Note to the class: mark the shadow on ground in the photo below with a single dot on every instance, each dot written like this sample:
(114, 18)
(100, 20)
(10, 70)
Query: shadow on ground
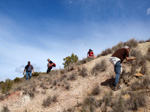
(109, 82)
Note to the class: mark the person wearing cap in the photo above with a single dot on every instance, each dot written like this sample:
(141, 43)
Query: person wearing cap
(50, 65)
(116, 59)
(29, 70)
(90, 53)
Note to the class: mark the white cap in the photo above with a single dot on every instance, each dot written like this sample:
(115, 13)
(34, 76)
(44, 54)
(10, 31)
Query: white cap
(127, 47)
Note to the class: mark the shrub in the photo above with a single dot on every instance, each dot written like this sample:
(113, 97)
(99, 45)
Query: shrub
(35, 74)
(144, 68)
(148, 54)
(136, 85)
(90, 100)
(96, 90)
(7, 85)
(55, 83)
(148, 40)
(71, 109)
(118, 46)
(5, 109)
(140, 59)
(67, 87)
(17, 79)
(70, 60)
(49, 100)
(63, 77)
(99, 67)
(83, 72)
(131, 43)
(136, 101)
(2, 97)
(142, 41)
(119, 105)
(105, 52)
(141, 84)
(72, 77)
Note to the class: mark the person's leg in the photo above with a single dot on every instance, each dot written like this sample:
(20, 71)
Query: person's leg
(27, 74)
(30, 74)
(49, 69)
(117, 71)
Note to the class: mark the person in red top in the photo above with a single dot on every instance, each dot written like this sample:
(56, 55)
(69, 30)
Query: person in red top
(90, 53)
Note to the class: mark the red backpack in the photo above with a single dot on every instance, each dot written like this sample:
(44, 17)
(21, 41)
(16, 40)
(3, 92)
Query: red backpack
(54, 65)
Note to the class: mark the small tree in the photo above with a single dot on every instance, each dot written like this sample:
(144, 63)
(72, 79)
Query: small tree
(70, 60)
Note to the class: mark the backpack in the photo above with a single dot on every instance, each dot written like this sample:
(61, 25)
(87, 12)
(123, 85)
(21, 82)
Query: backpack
(54, 65)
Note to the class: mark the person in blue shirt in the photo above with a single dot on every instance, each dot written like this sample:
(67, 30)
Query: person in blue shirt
(29, 70)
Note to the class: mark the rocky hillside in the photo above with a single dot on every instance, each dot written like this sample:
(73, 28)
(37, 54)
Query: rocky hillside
(86, 86)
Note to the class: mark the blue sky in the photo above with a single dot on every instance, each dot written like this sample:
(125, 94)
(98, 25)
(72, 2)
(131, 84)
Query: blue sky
(39, 29)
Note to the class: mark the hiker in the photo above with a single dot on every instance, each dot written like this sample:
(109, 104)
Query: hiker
(116, 59)
(90, 54)
(50, 65)
(29, 70)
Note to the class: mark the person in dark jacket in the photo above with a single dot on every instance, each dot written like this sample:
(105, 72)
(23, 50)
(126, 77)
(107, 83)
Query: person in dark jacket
(116, 59)
(29, 70)
(50, 65)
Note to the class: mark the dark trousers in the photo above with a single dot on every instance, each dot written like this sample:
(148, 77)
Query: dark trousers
(49, 69)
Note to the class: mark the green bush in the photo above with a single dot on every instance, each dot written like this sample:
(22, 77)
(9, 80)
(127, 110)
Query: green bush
(17, 79)
(6, 86)
(36, 74)
(70, 60)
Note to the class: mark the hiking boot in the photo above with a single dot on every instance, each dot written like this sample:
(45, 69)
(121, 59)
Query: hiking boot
(117, 87)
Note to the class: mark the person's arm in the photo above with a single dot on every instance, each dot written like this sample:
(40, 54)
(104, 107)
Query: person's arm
(33, 71)
(24, 71)
(50, 64)
(130, 58)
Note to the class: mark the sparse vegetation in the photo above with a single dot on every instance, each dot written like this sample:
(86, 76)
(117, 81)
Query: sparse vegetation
(136, 101)
(105, 52)
(96, 90)
(2, 97)
(83, 72)
(67, 87)
(36, 74)
(5, 109)
(131, 43)
(17, 79)
(99, 67)
(49, 100)
(118, 46)
(72, 77)
(141, 84)
(63, 77)
(7, 85)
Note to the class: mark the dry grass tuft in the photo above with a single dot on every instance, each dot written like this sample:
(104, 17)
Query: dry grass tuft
(105, 52)
(63, 77)
(99, 67)
(72, 77)
(141, 84)
(118, 46)
(67, 87)
(83, 72)
(2, 97)
(131, 43)
(136, 101)
(96, 90)
(49, 100)
(5, 109)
